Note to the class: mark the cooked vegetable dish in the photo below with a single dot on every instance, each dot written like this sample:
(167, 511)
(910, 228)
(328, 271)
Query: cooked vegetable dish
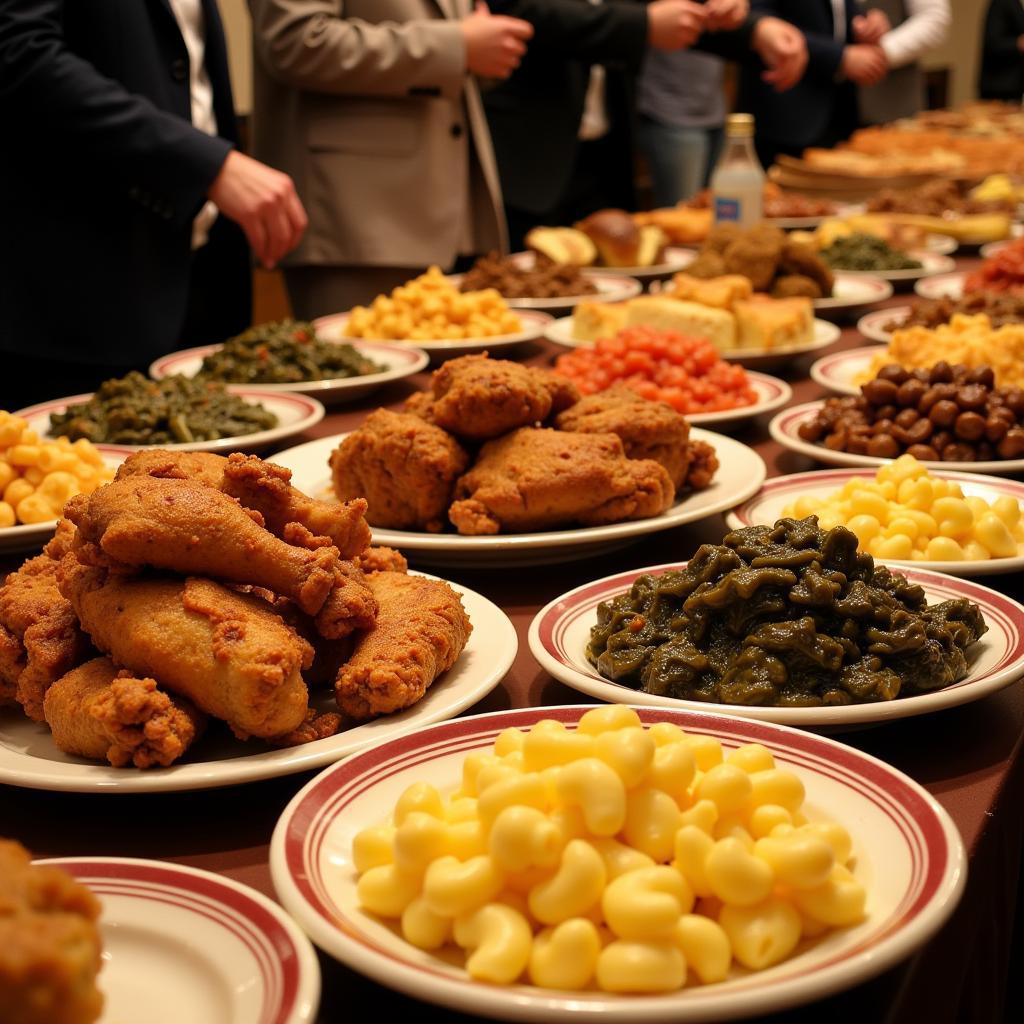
(860, 251)
(176, 410)
(788, 616)
(286, 352)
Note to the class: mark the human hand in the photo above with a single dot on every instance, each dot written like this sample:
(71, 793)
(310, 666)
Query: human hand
(495, 43)
(865, 65)
(1020, 43)
(723, 15)
(674, 24)
(264, 204)
(869, 28)
(783, 49)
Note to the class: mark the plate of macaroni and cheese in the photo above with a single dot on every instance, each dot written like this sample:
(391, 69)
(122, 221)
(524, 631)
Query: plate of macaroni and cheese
(628, 864)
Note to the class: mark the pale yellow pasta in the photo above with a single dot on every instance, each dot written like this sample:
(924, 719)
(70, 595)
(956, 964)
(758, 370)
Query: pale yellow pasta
(612, 855)
(7, 516)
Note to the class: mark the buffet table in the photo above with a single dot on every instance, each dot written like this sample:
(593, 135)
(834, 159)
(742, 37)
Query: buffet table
(969, 758)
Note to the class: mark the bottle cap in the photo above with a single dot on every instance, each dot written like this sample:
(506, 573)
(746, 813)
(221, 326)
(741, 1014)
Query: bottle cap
(739, 126)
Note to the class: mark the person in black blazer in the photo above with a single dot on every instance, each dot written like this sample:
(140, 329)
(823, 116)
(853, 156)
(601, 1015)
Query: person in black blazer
(548, 174)
(101, 176)
(1002, 56)
(821, 109)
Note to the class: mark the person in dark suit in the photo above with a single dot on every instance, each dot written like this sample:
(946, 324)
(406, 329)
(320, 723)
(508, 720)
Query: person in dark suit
(113, 255)
(1002, 55)
(821, 109)
(561, 156)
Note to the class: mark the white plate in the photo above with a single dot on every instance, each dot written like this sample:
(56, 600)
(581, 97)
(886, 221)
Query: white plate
(295, 414)
(32, 536)
(766, 507)
(854, 291)
(991, 248)
(332, 328)
(872, 325)
(941, 285)
(181, 944)
(931, 263)
(739, 475)
(838, 371)
(560, 331)
(610, 288)
(784, 426)
(560, 632)
(29, 758)
(908, 852)
(398, 360)
(674, 258)
(771, 393)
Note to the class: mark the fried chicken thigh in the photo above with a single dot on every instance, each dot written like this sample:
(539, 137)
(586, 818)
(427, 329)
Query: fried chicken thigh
(101, 712)
(263, 487)
(648, 430)
(478, 398)
(192, 529)
(228, 653)
(420, 631)
(538, 479)
(404, 466)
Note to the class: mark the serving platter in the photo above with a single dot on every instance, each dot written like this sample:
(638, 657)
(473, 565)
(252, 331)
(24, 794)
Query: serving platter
(398, 359)
(907, 852)
(332, 328)
(181, 944)
(295, 413)
(852, 291)
(785, 425)
(872, 325)
(941, 286)
(560, 331)
(674, 258)
(741, 472)
(29, 758)
(766, 507)
(839, 370)
(931, 263)
(560, 631)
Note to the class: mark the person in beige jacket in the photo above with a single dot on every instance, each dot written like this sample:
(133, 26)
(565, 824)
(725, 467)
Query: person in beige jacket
(371, 107)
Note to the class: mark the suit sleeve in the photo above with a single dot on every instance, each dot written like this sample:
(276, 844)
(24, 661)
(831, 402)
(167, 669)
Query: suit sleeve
(310, 44)
(1000, 33)
(824, 54)
(732, 45)
(60, 101)
(612, 33)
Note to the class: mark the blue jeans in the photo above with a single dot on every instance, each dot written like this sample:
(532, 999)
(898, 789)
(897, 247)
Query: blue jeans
(680, 159)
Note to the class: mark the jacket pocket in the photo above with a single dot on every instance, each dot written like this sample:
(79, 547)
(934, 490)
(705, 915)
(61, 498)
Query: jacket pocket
(381, 128)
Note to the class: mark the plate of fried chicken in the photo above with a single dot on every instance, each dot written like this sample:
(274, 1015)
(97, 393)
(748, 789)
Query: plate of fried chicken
(202, 619)
(501, 463)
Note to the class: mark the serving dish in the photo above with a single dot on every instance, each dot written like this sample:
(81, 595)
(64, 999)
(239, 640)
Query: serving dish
(908, 853)
(740, 474)
(838, 370)
(931, 263)
(872, 325)
(941, 285)
(853, 290)
(674, 257)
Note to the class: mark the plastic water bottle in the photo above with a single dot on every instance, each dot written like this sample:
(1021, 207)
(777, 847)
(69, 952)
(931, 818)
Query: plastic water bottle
(737, 186)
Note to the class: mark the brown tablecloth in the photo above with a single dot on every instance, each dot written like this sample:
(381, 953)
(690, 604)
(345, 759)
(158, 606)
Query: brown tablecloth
(969, 758)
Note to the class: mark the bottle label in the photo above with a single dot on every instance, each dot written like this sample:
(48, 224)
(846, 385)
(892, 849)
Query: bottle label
(726, 209)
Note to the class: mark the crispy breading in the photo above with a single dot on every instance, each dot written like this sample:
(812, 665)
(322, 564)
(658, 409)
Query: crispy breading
(403, 466)
(648, 430)
(804, 260)
(49, 944)
(420, 631)
(538, 479)
(101, 712)
(229, 653)
(382, 559)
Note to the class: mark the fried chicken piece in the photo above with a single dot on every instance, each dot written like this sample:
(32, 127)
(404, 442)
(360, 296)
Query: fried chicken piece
(349, 606)
(648, 430)
(382, 559)
(537, 479)
(754, 258)
(803, 260)
(263, 487)
(191, 529)
(702, 468)
(40, 639)
(790, 285)
(421, 403)
(478, 398)
(103, 713)
(563, 391)
(720, 237)
(709, 263)
(317, 726)
(49, 943)
(420, 631)
(405, 467)
(228, 653)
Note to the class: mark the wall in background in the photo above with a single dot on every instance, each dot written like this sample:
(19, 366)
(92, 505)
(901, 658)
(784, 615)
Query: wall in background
(237, 27)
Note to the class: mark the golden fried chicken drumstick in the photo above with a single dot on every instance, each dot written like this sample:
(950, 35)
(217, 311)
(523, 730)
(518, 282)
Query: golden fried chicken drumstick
(191, 529)
(420, 631)
(263, 487)
(104, 713)
(228, 653)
